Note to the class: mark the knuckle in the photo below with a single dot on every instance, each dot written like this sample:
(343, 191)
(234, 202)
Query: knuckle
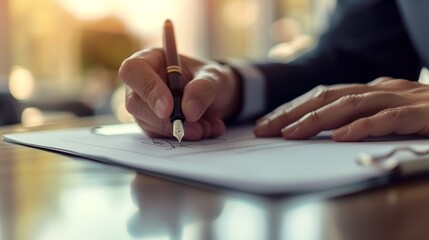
(314, 117)
(380, 80)
(147, 91)
(212, 69)
(402, 82)
(399, 84)
(147, 52)
(131, 68)
(351, 100)
(322, 93)
(281, 109)
(211, 76)
(211, 84)
(135, 107)
(152, 50)
(278, 119)
(203, 89)
(364, 124)
(281, 112)
(393, 114)
(141, 59)
(419, 90)
(131, 103)
(125, 68)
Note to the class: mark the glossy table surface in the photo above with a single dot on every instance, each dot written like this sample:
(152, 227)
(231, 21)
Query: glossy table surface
(45, 195)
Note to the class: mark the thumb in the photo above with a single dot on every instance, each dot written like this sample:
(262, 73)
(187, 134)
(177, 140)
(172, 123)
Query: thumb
(199, 94)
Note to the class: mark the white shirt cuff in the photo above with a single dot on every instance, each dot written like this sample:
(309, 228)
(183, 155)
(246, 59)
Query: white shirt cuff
(253, 91)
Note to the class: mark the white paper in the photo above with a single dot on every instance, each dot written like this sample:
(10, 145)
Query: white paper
(236, 160)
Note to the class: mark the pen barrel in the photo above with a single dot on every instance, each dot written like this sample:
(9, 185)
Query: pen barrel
(170, 50)
(174, 81)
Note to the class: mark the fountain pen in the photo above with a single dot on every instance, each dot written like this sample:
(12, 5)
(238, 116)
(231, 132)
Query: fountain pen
(174, 80)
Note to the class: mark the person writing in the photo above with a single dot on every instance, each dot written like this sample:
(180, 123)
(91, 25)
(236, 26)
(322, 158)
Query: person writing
(360, 81)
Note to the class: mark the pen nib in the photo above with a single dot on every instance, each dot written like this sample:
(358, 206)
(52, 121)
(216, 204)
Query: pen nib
(178, 131)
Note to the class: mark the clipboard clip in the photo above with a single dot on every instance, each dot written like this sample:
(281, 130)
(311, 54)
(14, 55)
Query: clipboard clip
(388, 162)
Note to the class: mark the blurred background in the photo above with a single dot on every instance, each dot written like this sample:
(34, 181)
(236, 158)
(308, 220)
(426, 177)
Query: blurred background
(59, 58)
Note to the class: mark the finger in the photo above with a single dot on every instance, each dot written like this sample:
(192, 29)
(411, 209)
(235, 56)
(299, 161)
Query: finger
(154, 126)
(271, 124)
(380, 80)
(200, 93)
(401, 120)
(153, 56)
(138, 108)
(143, 114)
(139, 75)
(218, 127)
(150, 123)
(212, 127)
(207, 128)
(343, 111)
(387, 83)
(148, 132)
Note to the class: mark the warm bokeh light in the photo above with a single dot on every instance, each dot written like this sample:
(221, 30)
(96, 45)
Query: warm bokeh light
(32, 117)
(117, 104)
(68, 52)
(88, 9)
(240, 13)
(135, 13)
(21, 83)
(122, 114)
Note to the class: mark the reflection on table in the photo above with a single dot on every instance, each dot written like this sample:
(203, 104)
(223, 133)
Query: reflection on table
(167, 209)
(45, 195)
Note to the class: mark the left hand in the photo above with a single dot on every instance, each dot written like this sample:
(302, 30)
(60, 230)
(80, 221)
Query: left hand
(357, 111)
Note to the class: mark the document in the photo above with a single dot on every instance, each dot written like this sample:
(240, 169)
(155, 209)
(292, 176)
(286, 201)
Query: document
(236, 160)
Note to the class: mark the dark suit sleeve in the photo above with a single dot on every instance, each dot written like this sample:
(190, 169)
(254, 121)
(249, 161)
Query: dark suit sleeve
(366, 40)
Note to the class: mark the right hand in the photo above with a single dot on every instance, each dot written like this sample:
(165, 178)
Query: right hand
(211, 94)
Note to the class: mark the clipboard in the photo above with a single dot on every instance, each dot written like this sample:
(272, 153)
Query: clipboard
(238, 160)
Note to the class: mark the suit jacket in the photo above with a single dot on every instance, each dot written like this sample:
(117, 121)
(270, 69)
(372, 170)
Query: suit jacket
(366, 39)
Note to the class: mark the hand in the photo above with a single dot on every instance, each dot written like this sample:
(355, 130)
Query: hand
(210, 95)
(382, 107)
(165, 207)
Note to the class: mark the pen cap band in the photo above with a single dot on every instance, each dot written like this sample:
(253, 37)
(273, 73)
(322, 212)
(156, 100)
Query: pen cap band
(174, 69)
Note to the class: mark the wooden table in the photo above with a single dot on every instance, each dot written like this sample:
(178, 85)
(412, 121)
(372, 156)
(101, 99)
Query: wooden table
(45, 195)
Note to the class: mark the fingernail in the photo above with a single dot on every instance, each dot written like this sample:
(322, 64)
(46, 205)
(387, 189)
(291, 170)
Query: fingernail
(291, 129)
(341, 132)
(259, 120)
(263, 123)
(160, 107)
(194, 109)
